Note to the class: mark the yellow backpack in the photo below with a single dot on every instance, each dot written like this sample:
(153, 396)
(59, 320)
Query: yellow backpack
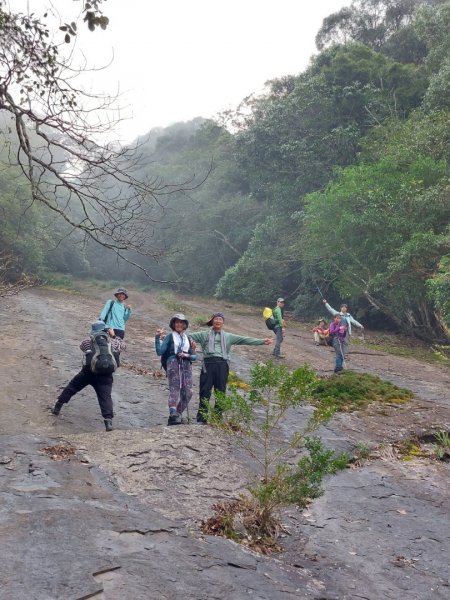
(268, 318)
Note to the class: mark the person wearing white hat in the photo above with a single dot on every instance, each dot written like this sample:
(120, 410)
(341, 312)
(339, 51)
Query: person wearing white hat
(177, 355)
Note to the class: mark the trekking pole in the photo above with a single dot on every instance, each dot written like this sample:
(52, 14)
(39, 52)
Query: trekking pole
(321, 295)
(342, 354)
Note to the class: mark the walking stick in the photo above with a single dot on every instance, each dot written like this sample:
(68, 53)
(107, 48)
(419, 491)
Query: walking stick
(342, 354)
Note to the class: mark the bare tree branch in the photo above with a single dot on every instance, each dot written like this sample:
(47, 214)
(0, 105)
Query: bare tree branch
(101, 190)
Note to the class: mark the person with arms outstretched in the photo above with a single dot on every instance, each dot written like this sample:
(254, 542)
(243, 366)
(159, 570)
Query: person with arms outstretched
(216, 345)
(347, 317)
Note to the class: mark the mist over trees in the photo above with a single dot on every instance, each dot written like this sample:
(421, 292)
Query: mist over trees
(335, 178)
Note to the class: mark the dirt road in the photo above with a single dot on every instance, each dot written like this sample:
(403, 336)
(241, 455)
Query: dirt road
(120, 518)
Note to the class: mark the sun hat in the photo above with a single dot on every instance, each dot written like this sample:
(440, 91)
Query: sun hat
(178, 317)
(121, 291)
(97, 326)
(280, 300)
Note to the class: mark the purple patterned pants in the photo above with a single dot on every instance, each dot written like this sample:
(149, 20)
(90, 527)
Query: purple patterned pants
(179, 375)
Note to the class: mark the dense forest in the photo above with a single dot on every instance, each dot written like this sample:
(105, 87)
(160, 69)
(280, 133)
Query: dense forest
(335, 179)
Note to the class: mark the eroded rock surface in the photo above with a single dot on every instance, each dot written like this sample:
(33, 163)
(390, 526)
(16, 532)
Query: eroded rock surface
(119, 519)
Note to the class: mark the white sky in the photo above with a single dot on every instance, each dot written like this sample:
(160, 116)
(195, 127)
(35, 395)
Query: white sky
(174, 60)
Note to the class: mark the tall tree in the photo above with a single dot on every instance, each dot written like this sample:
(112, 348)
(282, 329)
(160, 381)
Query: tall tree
(371, 22)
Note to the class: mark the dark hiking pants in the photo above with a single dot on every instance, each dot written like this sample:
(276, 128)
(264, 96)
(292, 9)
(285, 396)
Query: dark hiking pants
(102, 385)
(278, 331)
(214, 375)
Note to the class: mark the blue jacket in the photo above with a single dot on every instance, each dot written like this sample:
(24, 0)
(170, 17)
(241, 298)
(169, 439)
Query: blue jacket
(347, 316)
(118, 315)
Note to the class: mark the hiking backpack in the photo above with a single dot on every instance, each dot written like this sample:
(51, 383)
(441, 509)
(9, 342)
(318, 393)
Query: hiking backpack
(166, 354)
(269, 318)
(103, 361)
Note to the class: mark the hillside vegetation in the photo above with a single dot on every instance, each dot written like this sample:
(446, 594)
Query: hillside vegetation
(335, 178)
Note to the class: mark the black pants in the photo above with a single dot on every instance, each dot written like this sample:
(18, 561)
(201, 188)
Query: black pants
(119, 333)
(102, 385)
(214, 375)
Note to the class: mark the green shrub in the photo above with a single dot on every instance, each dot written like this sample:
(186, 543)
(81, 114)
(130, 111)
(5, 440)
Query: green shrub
(254, 419)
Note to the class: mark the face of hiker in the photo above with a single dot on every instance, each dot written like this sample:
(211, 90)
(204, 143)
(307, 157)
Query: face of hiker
(179, 326)
(217, 323)
(120, 297)
(344, 308)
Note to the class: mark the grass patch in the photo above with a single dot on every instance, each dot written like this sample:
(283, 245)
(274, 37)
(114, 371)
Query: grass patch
(235, 382)
(354, 391)
(57, 281)
(198, 320)
(434, 446)
(244, 521)
(410, 449)
(170, 301)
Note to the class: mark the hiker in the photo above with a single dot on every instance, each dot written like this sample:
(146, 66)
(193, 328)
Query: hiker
(321, 333)
(216, 345)
(338, 335)
(347, 317)
(177, 353)
(344, 314)
(279, 328)
(116, 313)
(99, 343)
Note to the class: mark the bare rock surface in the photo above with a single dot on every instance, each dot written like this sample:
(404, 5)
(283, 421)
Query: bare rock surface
(120, 518)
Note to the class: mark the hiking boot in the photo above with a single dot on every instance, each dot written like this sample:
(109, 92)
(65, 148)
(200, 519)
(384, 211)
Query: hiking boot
(108, 424)
(280, 355)
(338, 370)
(201, 419)
(57, 408)
(174, 420)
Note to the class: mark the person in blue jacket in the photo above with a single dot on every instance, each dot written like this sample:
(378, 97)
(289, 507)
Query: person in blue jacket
(116, 313)
(177, 353)
(346, 319)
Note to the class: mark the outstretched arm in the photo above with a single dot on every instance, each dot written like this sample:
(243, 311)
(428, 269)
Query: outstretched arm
(353, 321)
(329, 308)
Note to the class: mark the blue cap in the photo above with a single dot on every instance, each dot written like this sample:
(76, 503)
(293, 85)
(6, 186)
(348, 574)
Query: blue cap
(98, 326)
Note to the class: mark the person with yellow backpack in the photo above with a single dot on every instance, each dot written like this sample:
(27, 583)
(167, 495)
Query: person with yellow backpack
(275, 322)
